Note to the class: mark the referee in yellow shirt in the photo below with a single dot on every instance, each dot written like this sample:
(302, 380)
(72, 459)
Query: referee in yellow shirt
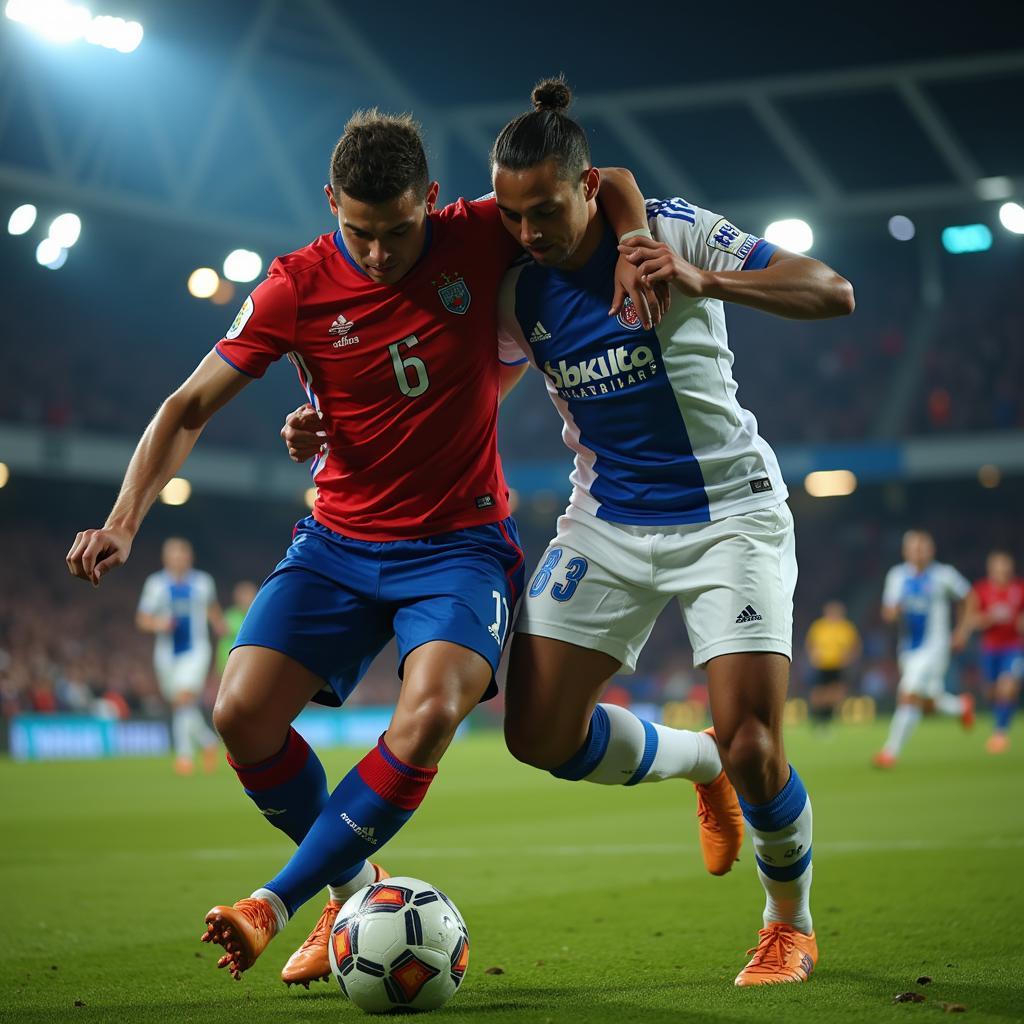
(832, 645)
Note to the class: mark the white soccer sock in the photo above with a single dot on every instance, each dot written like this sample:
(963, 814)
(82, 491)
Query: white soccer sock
(949, 704)
(340, 893)
(181, 732)
(783, 847)
(640, 751)
(276, 904)
(904, 721)
(202, 734)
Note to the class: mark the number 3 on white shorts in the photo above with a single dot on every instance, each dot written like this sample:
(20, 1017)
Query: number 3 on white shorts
(410, 372)
(575, 570)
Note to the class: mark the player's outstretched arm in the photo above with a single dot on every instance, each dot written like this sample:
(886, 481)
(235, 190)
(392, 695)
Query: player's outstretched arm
(164, 446)
(792, 286)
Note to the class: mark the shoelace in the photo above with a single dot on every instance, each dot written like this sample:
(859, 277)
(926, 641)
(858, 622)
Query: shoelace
(773, 948)
(316, 936)
(260, 913)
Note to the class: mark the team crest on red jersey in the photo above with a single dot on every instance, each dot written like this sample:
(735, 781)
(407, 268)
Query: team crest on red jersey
(454, 293)
(629, 317)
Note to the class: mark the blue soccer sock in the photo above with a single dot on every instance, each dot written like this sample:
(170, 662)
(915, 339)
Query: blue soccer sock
(781, 831)
(369, 805)
(1003, 712)
(290, 789)
(623, 750)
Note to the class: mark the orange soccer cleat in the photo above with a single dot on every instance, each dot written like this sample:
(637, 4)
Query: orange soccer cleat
(311, 961)
(883, 759)
(967, 710)
(244, 931)
(997, 743)
(782, 955)
(721, 822)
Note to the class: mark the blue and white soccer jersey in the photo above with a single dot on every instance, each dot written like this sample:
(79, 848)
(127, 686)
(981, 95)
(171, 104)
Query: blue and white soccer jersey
(333, 602)
(923, 599)
(181, 657)
(674, 492)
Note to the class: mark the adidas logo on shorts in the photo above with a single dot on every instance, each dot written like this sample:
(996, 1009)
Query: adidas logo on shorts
(748, 615)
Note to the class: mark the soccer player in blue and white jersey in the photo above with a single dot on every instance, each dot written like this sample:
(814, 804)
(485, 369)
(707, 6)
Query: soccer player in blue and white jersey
(675, 496)
(179, 604)
(917, 595)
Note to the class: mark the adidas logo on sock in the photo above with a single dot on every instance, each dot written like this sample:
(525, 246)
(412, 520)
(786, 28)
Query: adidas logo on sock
(365, 833)
(539, 333)
(748, 615)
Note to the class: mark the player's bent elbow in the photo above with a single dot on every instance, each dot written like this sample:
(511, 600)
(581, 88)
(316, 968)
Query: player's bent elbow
(843, 300)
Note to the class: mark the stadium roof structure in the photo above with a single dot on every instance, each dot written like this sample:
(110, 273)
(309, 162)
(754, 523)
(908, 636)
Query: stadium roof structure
(227, 129)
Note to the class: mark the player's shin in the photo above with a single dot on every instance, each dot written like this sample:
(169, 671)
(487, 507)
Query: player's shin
(781, 832)
(623, 750)
(371, 804)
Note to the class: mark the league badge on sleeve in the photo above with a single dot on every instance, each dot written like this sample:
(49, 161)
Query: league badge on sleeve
(454, 293)
(238, 324)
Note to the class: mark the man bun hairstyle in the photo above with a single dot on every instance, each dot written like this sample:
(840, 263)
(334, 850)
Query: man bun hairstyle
(544, 133)
(379, 157)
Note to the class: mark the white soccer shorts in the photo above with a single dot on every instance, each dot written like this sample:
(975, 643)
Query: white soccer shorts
(923, 672)
(601, 585)
(182, 673)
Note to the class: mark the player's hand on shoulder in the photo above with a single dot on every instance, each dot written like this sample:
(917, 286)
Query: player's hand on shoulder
(650, 300)
(95, 552)
(657, 264)
(301, 433)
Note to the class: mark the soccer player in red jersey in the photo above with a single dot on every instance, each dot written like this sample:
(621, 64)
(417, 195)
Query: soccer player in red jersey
(995, 606)
(390, 322)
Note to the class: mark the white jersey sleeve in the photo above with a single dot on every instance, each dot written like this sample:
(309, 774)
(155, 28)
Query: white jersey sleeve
(706, 239)
(208, 589)
(957, 587)
(155, 598)
(512, 347)
(893, 592)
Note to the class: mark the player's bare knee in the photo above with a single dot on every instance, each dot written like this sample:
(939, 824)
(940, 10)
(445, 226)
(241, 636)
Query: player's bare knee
(422, 730)
(753, 757)
(527, 747)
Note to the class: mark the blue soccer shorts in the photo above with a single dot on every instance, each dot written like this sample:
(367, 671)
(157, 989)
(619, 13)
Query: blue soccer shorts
(334, 602)
(998, 662)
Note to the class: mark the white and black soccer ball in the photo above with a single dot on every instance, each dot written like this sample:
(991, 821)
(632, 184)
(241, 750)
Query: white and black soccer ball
(399, 944)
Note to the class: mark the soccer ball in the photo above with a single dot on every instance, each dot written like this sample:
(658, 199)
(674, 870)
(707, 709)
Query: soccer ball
(399, 944)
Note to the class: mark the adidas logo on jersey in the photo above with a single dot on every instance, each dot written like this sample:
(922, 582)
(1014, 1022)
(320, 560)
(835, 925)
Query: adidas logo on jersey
(748, 615)
(539, 333)
(341, 327)
(364, 833)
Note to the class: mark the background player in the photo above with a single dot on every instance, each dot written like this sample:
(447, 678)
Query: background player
(674, 496)
(242, 596)
(833, 645)
(917, 595)
(179, 605)
(390, 323)
(995, 607)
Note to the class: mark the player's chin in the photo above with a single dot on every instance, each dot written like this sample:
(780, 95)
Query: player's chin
(388, 276)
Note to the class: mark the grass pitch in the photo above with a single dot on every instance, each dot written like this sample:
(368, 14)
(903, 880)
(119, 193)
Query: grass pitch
(592, 900)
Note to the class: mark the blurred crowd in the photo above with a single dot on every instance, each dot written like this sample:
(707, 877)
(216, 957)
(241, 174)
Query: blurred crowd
(67, 647)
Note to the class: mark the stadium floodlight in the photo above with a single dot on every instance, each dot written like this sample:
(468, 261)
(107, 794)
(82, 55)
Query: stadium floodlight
(794, 234)
(51, 254)
(961, 238)
(5, 474)
(1011, 216)
(989, 476)
(63, 22)
(65, 229)
(203, 282)
(242, 265)
(830, 483)
(22, 219)
(998, 187)
(176, 491)
(902, 228)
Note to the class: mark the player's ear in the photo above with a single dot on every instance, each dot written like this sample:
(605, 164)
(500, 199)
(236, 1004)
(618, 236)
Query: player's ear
(432, 192)
(591, 181)
(331, 201)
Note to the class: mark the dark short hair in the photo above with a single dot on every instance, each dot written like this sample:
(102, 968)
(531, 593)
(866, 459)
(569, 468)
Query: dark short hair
(544, 133)
(379, 157)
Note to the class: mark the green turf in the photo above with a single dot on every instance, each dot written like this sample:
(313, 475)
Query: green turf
(592, 900)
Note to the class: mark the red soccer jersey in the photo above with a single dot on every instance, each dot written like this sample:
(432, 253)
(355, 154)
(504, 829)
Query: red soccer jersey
(405, 375)
(1006, 605)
